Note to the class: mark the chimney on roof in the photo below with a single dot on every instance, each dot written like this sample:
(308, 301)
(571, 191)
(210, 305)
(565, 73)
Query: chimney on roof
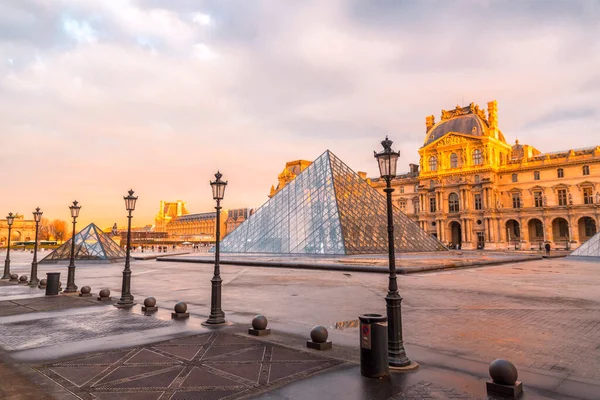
(429, 122)
(362, 174)
(414, 168)
(493, 118)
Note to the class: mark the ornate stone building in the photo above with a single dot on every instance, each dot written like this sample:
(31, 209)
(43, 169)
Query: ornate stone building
(200, 227)
(179, 225)
(236, 217)
(22, 230)
(291, 170)
(474, 190)
(167, 211)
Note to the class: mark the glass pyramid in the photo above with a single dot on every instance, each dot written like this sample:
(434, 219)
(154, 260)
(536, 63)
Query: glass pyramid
(591, 248)
(327, 209)
(90, 244)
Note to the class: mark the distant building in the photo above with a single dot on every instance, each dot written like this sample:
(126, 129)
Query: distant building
(200, 227)
(236, 217)
(22, 230)
(291, 170)
(168, 211)
(474, 190)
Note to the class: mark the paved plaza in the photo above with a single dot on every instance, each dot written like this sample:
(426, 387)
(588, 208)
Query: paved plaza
(544, 315)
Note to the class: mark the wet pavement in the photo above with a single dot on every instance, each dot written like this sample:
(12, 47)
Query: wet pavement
(543, 315)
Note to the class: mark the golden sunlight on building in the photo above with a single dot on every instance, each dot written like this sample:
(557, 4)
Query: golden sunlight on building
(22, 230)
(474, 190)
(168, 211)
(291, 170)
(178, 225)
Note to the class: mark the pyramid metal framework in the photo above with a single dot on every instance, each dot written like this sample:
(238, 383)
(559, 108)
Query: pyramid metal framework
(91, 244)
(591, 248)
(327, 209)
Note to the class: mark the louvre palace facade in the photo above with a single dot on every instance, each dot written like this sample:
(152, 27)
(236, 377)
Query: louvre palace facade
(474, 190)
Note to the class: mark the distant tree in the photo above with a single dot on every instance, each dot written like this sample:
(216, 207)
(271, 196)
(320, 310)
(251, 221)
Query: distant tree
(58, 229)
(44, 232)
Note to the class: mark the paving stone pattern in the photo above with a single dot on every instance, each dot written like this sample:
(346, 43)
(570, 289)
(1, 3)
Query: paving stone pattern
(20, 335)
(209, 366)
(428, 391)
(556, 340)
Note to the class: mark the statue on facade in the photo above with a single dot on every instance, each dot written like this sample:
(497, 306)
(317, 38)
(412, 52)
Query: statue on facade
(597, 198)
(544, 200)
(570, 197)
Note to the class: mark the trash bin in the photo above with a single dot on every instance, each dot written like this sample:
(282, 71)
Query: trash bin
(52, 283)
(373, 345)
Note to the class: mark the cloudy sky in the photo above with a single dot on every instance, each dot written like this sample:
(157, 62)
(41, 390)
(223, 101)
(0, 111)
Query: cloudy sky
(99, 96)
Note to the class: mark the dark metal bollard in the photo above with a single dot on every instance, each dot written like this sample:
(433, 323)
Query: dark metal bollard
(373, 346)
(52, 283)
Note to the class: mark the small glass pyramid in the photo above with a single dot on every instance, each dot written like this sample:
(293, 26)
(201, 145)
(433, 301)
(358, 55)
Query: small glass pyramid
(327, 209)
(591, 248)
(90, 244)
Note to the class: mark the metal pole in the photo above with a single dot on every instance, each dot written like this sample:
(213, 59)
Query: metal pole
(396, 353)
(71, 287)
(33, 279)
(126, 297)
(7, 261)
(217, 316)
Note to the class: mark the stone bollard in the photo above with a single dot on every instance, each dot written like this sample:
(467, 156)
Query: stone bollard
(180, 311)
(259, 326)
(14, 278)
(104, 295)
(42, 284)
(23, 280)
(149, 305)
(318, 341)
(504, 379)
(86, 291)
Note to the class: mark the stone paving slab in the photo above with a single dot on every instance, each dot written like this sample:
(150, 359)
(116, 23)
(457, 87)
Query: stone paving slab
(41, 330)
(208, 366)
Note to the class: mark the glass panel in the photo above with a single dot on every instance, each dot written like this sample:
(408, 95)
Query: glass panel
(90, 244)
(327, 209)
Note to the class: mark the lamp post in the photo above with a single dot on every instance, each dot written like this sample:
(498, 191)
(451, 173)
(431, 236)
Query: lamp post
(9, 221)
(33, 280)
(387, 160)
(71, 287)
(126, 299)
(217, 316)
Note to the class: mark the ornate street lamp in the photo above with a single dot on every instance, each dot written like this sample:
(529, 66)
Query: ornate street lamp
(388, 160)
(126, 299)
(9, 221)
(71, 287)
(33, 280)
(217, 316)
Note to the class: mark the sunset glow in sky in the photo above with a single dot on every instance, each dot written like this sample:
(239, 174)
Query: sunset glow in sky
(100, 96)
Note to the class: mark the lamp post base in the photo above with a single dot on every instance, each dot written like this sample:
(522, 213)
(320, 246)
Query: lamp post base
(396, 353)
(217, 319)
(71, 286)
(6, 269)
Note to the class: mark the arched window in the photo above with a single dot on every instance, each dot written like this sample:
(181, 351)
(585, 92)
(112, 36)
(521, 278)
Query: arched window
(560, 172)
(432, 163)
(453, 160)
(586, 169)
(453, 205)
(477, 158)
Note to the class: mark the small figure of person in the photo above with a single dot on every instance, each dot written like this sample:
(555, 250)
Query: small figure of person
(547, 247)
